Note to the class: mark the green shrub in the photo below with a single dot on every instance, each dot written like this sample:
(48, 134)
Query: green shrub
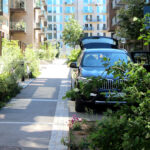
(129, 127)
(32, 61)
(13, 67)
(73, 56)
(47, 52)
(12, 59)
(8, 87)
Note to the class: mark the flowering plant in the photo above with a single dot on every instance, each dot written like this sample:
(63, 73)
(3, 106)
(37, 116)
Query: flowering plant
(75, 123)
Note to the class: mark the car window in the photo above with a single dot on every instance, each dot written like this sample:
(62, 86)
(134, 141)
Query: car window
(97, 59)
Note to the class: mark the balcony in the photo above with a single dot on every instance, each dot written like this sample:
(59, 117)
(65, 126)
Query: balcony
(18, 27)
(17, 6)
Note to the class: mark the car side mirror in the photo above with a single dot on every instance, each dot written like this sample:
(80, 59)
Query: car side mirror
(73, 65)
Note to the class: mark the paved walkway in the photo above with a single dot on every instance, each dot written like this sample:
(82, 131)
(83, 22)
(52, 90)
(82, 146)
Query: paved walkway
(36, 119)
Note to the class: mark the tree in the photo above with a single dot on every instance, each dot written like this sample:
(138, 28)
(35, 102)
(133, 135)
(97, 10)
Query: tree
(145, 30)
(72, 32)
(129, 28)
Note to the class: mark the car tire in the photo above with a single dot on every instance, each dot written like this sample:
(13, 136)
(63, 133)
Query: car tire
(79, 106)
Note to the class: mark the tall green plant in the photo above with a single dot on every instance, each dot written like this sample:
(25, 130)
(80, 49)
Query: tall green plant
(72, 32)
(128, 27)
(47, 51)
(12, 58)
(145, 30)
(31, 61)
(73, 56)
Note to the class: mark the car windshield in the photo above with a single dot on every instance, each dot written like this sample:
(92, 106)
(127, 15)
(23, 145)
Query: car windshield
(96, 59)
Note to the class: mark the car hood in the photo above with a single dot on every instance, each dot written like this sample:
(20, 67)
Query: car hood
(95, 72)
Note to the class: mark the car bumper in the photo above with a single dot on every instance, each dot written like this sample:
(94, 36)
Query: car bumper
(109, 98)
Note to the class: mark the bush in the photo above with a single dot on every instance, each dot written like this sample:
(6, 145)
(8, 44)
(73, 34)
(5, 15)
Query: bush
(8, 87)
(73, 56)
(13, 67)
(129, 127)
(47, 52)
(32, 61)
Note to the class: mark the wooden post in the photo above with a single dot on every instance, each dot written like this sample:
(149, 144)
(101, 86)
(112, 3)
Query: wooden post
(0, 43)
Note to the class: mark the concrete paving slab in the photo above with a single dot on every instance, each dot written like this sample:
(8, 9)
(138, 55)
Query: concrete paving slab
(41, 88)
(26, 137)
(26, 110)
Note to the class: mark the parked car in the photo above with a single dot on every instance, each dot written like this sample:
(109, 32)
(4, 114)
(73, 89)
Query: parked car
(91, 64)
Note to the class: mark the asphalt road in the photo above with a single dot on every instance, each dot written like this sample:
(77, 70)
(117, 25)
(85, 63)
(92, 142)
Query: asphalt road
(37, 118)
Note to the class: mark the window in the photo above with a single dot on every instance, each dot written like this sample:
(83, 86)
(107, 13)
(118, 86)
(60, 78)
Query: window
(87, 18)
(88, 27)
(101, 27)
(97, 26)
(69, 10)
(49, 18)
(101, 18)
(59, 27)
(59, 18)
(57, 9)
(104, 18)
(102, 2)
(87, 1)
(54, 27)
(49, 36)
(49, 9)
(55, 36)
(67, 18)
(86, 34)
(69, 1)
(101, 9)
(49, 2)
(54, 18)
(95, 59)
(87, 9)
(54, 2)
(49, 27)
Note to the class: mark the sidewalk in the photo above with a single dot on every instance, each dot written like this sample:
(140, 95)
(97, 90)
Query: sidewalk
(36, 119)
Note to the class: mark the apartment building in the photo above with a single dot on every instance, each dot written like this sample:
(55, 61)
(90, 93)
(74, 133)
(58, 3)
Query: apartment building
(112, 20)
(112, 9)
(23, 20)
(91, 15)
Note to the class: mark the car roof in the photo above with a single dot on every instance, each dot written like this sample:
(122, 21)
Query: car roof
(105, 50)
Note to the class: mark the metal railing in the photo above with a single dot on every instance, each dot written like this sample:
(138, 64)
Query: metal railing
(18, 26)
(18, 4)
